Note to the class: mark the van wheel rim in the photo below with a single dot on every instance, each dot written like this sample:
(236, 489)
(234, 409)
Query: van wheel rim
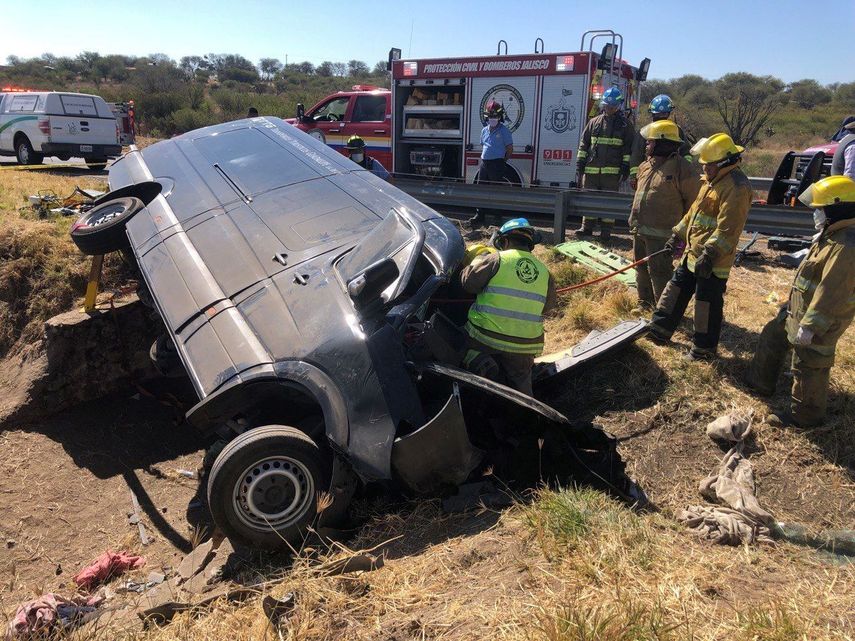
(105, 215)
(273, 493)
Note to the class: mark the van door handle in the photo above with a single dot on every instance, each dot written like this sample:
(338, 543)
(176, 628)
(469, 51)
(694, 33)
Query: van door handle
(84, 123)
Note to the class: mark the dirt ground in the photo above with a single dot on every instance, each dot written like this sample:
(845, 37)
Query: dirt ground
(66, 483)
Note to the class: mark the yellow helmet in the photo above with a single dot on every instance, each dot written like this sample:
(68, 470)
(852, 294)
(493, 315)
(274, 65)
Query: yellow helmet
(661, 130)
(474, 251)
(716, 148)
(829, 191)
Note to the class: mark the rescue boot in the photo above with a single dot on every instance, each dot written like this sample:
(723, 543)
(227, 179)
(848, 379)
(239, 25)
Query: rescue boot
(768, 360)
(477, 220)
(585, 229)
(809, 395)
(700, 354)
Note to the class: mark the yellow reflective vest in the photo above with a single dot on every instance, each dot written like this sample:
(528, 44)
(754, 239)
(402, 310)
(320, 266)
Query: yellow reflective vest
(508, 313)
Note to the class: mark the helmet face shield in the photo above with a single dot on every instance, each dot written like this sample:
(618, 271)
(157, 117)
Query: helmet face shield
(831, 190)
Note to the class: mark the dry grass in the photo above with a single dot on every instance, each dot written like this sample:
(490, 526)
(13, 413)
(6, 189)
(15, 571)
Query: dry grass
(41, 271)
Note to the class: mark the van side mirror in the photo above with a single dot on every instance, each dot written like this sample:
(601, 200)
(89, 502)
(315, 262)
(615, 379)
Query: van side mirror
(366, 288)
(301, 112)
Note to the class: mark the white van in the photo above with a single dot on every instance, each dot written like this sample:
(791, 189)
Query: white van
(38, 124)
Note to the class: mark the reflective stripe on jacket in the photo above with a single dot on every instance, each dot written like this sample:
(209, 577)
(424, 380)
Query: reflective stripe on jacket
(715, 220)
(606, 143)
(508, 312)
(822, 297)
(667, 187)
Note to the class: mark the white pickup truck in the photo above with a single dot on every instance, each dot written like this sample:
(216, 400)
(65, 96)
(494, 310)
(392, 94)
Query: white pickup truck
(38, 124)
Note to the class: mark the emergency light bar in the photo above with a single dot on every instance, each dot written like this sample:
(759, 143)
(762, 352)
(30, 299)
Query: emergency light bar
(411, 68)
(564, 63)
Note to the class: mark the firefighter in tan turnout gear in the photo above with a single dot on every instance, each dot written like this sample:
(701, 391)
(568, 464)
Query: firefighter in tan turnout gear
(505, 324)
(660, 109)
(821, 307)
(667, 186)
(710, 230)
(604, 154)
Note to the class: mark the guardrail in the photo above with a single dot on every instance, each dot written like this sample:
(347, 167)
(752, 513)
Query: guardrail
(547, 203)
(760, 184)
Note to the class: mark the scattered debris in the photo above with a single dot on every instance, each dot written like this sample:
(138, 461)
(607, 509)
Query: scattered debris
(46, 202)
(190, 474)
(107, 566)
(735, 426)
(787, 243)
(274, 609)
(41, 616)
(598, 259)
(164, 612)
(361, 562)
(196, 561)
(744, 253)
(793, 260)
(744, 521)
(137, 519)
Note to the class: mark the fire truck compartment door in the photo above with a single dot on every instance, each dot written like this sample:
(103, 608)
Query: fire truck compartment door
(562, 118)
(516, 93)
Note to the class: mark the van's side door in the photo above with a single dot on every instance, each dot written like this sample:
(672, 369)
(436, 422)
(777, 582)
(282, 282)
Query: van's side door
(330, 120)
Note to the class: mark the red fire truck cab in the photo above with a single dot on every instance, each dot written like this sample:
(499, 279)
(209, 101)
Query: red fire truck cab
(438, 104)
(364, 111)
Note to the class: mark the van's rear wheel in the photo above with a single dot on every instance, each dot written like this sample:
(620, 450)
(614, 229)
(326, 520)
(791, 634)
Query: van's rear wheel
(101, 230)
(263, 487)
(25, 153)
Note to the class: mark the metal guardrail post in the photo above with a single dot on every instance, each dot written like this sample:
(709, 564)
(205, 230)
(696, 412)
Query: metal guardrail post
(92, 284)
(559, 223)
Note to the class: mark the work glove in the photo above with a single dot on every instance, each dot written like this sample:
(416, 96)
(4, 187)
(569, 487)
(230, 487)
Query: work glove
(675, 245)
(703, 266)
(624, 170)
(804, 336)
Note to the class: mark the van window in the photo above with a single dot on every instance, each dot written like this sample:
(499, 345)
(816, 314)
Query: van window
(23, 104)
(78, 106)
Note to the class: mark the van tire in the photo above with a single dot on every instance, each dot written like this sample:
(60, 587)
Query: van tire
(101, 230)
(25, 153)
(275, 464)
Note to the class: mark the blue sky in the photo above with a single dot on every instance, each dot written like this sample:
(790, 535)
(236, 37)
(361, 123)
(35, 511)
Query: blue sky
(788, 38)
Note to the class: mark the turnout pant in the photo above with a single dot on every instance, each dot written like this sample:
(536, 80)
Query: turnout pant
(651, 277)
(600, 182)
(503, 367)
(709, 308)
(811, 371)
(491, 171)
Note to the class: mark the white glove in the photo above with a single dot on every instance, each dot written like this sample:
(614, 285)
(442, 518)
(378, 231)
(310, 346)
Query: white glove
(804, 336)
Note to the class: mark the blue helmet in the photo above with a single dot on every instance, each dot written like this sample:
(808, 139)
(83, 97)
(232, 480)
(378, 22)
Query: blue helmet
(519, 226)
(661, 104)
(612, 97)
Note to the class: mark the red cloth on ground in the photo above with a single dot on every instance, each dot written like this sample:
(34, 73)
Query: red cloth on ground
(42, 614)
(106, 566)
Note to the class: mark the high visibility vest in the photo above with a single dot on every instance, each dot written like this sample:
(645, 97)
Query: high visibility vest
(508, 314)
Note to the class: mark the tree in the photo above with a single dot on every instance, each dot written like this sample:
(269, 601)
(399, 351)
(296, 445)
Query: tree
(339, 69)
(235, 67)
(844, 95)
(808, 94)
(306, 68)
(357, 68)
(191, 65)
(325, 68)
(379, 68)
(269, 67)
(745, 103)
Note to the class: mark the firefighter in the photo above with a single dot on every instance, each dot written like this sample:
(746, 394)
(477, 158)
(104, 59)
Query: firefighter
(820, 308)
(604, 154)
(497, 145)
(660, 108)
(513, 291)
(843, 161)
(669, 186)
(710, 230)
(356, 152)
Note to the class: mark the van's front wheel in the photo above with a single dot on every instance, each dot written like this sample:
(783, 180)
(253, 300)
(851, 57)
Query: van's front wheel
(263, 487)
(25, 153)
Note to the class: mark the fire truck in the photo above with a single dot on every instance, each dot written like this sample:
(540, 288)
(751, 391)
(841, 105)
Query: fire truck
(438, 106)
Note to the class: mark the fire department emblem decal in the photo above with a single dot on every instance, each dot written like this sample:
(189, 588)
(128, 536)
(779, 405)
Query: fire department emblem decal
(527, 271)
(561, 117)
(510, 99)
